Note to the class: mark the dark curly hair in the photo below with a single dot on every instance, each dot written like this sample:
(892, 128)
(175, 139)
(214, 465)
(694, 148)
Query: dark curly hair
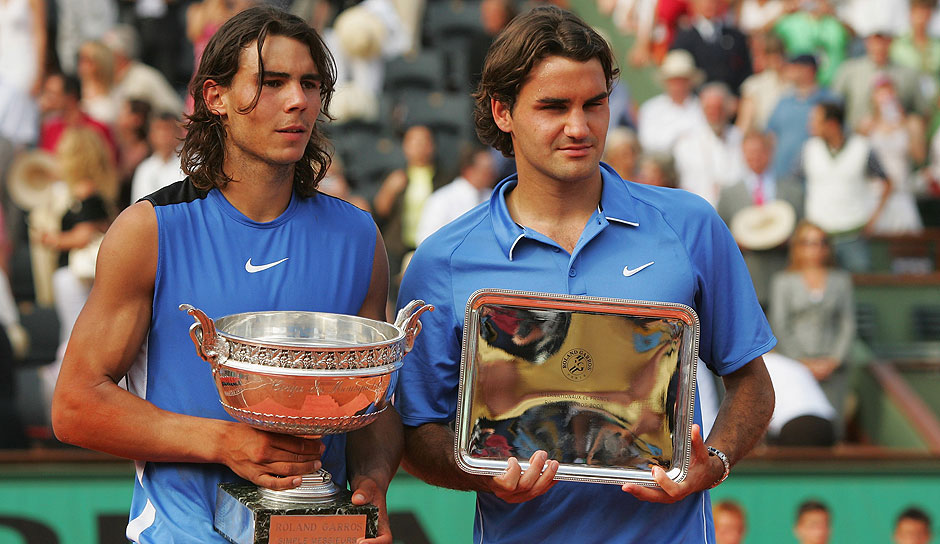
(204, 147)
(526, 41)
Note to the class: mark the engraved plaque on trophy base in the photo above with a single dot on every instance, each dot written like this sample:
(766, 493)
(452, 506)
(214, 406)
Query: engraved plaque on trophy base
(242, 516)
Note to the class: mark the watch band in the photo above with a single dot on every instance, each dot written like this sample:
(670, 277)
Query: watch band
(715, 452)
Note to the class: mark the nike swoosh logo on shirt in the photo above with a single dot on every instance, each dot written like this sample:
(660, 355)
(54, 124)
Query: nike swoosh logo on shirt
(251, 268)
(627, 272)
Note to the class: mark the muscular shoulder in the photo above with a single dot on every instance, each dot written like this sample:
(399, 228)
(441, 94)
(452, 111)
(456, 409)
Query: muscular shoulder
(129, 249)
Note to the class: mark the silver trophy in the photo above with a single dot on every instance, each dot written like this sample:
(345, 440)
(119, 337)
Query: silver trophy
(605, 386)
(306, 374)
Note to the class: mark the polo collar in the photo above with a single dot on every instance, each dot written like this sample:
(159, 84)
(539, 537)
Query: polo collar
(616, 206)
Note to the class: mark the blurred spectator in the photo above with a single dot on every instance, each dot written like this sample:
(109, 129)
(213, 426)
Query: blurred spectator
(912, 527)
(730, 522)
(35, 189)
(621, 151)
(494, 16)
(898, 141)
(471, 188)
(86, 167)
(159, 25)
(803, 416)
(665, 117)
(136, 80)
(855, 79)
(22, 56)
(163, 166)
(812, 313)
(813, 523)
(752, 209)
(655, 32)
(657, 169)
(789, 121)
(334, 183)
(916, 49)
(60, 91)
(758, 16)
(814, 30)
(708, 156)
(131, 131)
(96, 72)
(23, 44)
(363, 36)
(78, 22)
(761, 91)
(839, 198)
(865, 17)
(719, 48)
(203, 18)
(400, 200)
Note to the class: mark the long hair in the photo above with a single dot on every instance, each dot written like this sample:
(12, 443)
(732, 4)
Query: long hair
(82, 154)
(203, 150)
(526, 41)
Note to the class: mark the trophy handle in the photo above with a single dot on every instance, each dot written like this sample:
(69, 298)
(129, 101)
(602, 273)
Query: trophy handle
(407, 320)
(204, 336)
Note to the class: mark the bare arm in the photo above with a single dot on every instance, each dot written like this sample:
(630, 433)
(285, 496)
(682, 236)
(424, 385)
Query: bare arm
(742, 419)
(90, 410)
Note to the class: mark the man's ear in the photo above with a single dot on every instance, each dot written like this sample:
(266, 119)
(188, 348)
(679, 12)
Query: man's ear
(212, 94)
(501, 115)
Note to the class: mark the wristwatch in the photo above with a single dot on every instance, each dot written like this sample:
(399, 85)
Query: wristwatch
(715, 452)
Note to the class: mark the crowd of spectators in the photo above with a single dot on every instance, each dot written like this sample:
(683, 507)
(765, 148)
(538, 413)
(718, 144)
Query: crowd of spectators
(774, 111)
(813, 524)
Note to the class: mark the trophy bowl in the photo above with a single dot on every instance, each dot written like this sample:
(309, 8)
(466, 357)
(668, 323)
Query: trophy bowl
(305, 374)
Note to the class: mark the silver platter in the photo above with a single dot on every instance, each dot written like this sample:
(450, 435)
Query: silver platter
(605, 386)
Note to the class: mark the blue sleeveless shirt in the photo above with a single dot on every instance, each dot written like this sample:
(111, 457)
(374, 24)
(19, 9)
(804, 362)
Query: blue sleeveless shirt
(317, 256)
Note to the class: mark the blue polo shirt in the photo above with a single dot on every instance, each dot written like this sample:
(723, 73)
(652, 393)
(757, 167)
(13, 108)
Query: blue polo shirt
(695, 262)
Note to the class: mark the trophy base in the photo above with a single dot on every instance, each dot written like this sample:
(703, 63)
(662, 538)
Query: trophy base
(242, 516)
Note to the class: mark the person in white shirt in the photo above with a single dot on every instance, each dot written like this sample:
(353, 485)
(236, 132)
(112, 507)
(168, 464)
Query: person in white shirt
(134, 79)
(708, 156)
(837, 168)
(472, 187)
(163, 166)
(665, 117)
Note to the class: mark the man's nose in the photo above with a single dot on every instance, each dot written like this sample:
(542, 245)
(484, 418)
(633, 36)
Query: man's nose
(296, 97)
(576, 125)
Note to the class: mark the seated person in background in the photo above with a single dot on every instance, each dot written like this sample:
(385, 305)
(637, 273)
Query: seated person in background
(162, 167)
(803, 416)
(708, 156)
(912, 527)
(398, 204)
(622, 152)
(335, 183)
(840, 198)
(899, 142)
(761, 210)
(730, 522)
(662, 119)
(656, 169)
(470, 188)
(812, 312)
(813, 523)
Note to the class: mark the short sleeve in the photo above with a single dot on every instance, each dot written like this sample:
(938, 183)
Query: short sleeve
(734, 329)
(430, 375)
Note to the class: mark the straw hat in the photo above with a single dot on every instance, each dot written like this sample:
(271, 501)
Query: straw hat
(765, 226)
(680, 63)
(30, 176)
